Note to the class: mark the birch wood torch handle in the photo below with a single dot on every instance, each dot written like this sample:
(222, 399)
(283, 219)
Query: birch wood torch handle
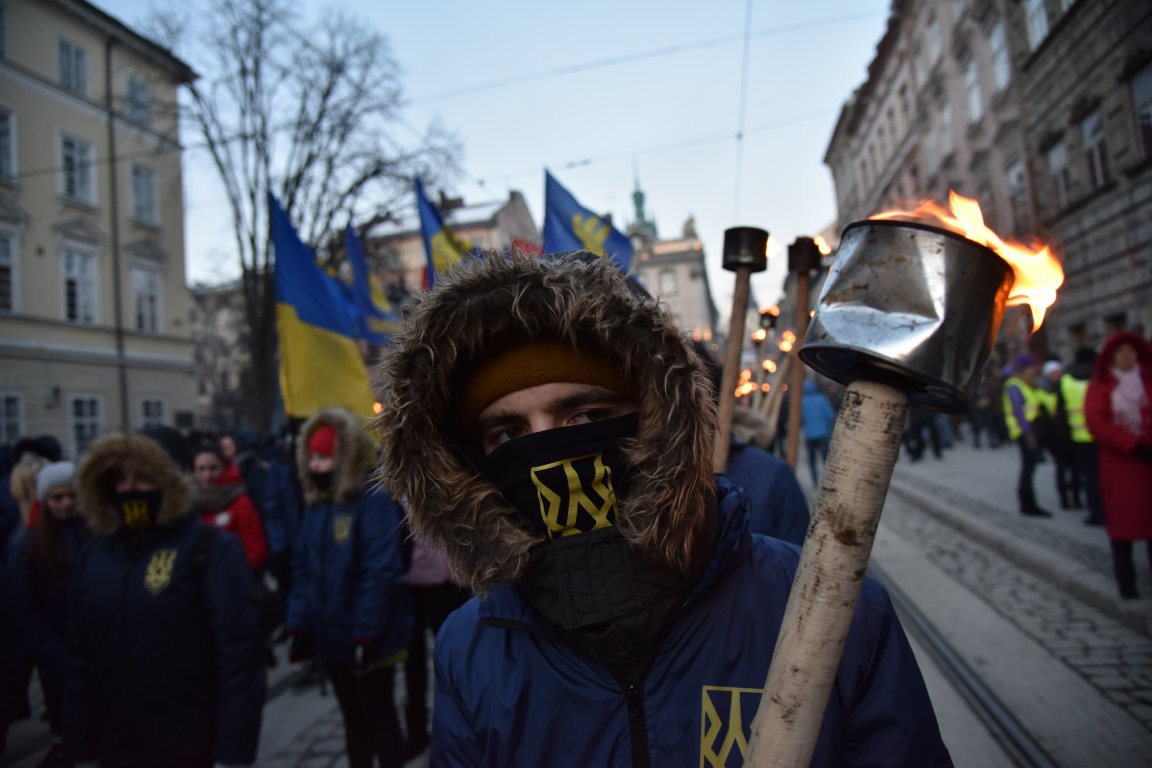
(862, 454)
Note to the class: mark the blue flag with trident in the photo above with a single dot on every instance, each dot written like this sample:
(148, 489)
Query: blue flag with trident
(569, 226)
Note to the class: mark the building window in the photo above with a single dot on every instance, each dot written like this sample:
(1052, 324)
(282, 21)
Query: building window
(73, 67)
(139, 101)
(667, 282)
(84, 412)
(146, 300)
(79, 287)
(905, 110)
(1001, 64)
(1095, 150)
(935, 41)
(975, 98)
(7, 145)
(1018, 197)
(7, 272)
(11, 418)
(144, 194)
(1142, 103)
(1058, 170)
(947, 134)
(3, 31)
(931, 150)
(76, 169)
(151, 412)
(1037, 16)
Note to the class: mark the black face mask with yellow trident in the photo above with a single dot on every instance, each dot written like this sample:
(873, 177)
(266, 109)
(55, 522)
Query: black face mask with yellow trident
(139, 509)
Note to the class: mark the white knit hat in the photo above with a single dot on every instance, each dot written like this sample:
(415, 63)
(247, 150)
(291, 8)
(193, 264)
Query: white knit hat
(53, 476)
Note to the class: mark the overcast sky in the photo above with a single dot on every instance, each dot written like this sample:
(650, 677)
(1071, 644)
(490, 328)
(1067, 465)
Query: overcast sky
(605, 93)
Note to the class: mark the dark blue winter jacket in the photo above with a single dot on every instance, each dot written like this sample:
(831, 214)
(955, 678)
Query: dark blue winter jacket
(280, 507)
(43, 600)
(346, 578)
(776, 502)
(507, 693)
(165, 652)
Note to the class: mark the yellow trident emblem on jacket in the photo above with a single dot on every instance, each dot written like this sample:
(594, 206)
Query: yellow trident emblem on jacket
(158, 574)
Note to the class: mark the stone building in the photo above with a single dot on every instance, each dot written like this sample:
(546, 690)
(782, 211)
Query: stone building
(673, 270)
(1041, 110)
(1086, 82)
(395, 249)
(93, 302)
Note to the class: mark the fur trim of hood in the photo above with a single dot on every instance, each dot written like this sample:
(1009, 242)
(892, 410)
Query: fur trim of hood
(573, 298)
(129, 453)
(353, 458)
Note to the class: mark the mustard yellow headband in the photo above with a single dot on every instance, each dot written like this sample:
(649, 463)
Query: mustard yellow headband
(535, 363)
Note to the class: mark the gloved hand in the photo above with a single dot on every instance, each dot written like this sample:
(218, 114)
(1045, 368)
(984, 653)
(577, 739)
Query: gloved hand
(365, 654)
(299, 646)
(1143, 451)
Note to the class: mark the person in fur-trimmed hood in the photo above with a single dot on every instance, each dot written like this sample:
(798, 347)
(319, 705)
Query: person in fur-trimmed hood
(552, 428)
(158, 613)
(348, 606)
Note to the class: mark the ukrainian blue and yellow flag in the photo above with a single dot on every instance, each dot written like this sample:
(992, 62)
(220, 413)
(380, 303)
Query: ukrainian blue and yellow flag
(320, 363)
(569, 226)
(376, 318)
(443, 248)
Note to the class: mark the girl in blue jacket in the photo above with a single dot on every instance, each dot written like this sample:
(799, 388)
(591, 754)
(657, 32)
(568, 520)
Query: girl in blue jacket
(348, 608)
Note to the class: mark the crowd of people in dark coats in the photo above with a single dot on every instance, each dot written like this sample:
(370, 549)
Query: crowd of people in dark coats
(146, 585)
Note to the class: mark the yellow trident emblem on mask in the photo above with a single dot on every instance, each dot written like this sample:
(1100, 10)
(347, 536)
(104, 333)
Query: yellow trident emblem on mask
(158, 574)
(561, 505)
(135, 513)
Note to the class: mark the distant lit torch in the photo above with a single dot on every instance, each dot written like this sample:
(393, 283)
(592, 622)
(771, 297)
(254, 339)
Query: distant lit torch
(907, 316)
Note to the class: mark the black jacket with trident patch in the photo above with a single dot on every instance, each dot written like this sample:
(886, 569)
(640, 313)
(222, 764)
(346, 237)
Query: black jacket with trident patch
(166, 657)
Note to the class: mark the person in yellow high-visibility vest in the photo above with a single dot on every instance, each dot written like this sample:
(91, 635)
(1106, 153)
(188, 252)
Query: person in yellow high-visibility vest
(1022, 406)
(1081, 444)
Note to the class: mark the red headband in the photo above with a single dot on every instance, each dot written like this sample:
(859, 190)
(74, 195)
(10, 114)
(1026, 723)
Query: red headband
(323, 441)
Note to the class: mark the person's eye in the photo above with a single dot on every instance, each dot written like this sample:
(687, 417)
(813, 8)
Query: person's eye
(500, 436)
(587, 416)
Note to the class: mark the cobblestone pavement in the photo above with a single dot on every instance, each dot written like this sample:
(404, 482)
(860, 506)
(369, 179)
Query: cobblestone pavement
(321, 745)
(1111, 656)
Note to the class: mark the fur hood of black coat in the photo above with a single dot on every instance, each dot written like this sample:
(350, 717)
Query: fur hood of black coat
(574, 298)
(119, 453)
(354, 456)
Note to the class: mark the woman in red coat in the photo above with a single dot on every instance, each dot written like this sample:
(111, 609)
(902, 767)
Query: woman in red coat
(223, 503)
(1118, 408)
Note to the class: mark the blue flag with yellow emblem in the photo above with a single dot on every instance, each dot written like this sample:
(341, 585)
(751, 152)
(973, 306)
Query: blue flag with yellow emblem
(442, 247)
(569, 226)
(376, 318)
(320, 362)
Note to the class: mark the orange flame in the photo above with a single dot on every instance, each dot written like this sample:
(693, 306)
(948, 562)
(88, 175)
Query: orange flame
(787, 340)
(1037, 271)
(759, 335)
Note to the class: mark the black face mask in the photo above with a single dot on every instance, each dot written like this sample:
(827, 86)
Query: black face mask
(322, 480)
(567, 480)
(139, 509)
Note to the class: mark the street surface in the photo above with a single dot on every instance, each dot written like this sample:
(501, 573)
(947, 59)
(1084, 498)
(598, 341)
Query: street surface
(1028, 604)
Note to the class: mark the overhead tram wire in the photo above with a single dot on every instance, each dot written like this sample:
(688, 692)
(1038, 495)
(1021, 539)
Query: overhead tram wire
(628, 58)
(742, 112)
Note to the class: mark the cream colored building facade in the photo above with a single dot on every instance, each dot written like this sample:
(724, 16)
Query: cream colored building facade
(94, 307)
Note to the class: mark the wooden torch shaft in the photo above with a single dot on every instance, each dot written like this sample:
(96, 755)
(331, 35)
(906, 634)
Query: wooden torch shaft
(731, 368)
(865, 445)
(796, 380)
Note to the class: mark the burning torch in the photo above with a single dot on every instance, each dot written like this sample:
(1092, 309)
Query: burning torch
(907, 316)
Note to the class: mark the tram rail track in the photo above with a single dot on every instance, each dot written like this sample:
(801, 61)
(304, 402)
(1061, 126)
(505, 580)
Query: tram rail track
(1017, 743)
